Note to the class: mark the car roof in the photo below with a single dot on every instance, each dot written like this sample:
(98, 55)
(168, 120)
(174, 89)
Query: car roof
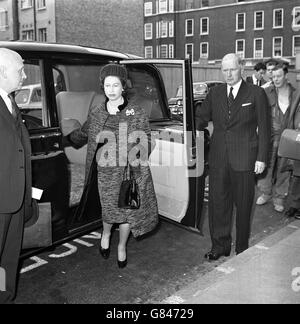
(63, 48)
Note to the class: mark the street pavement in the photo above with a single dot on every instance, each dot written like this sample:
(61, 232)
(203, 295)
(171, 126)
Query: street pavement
(267, 273)
(168, 263)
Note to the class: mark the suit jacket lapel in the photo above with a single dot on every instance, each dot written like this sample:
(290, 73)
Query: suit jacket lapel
(223, 99)
(6, 114)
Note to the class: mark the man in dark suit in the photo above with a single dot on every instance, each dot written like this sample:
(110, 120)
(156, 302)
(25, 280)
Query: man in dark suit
(15, 172)
(238, 150)
(258, 77)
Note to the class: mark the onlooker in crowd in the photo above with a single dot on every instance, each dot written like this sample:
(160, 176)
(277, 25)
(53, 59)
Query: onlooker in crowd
(270, 65)
(15, 172)
(280, 95)
(106, 119)
(238, 150)
(294, 123)
(258, 77)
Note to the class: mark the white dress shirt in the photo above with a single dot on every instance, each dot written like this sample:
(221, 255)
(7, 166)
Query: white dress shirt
(6, 99)
(235, 90)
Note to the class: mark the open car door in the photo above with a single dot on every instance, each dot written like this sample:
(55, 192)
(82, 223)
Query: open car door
(177, 162)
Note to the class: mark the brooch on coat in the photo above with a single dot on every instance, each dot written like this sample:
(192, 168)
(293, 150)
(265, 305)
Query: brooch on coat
(130, 112)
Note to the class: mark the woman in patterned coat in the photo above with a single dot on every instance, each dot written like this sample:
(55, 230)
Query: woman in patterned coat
(111, 132)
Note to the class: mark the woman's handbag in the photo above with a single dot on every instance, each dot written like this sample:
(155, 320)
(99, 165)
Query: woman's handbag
(129, 196)
(289, 146)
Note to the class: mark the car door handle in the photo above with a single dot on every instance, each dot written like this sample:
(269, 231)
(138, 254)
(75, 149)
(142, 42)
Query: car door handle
(43, 136)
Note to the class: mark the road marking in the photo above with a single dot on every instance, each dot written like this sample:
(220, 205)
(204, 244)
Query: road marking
(84, 243)
(174, 300)
(262, 247)
(71, 250)
(228, 270)
(38, 263)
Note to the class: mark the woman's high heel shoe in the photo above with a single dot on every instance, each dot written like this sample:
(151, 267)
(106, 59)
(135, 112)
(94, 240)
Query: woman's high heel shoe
(122, 264)
(104, 252)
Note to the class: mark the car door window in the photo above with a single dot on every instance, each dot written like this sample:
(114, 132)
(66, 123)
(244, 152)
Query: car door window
(31, 97)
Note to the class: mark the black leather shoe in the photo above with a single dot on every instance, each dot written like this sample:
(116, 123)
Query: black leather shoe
(122, 264)
(297, 215)
(291, 212)
(104, 252)
(214, 256)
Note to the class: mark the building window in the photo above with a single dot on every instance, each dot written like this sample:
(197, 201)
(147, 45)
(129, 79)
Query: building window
(148, 9)
(259, 20)
(204, 50)
(296, 45)
(26, 4)
(149, 52)
(171, 51)
(277, 46)
(296, 18)
(189, 4)
(148, 31)
(164, 29)
(171, 5)
(189, 27)
(3, 19)
(205, 3)
(164, 51)
(204, 26)
(27, 35)
(42, 32)
(41, 4)
(171, 28)
(240, 48)
(258, 48)
(278, 18)
(189, 51)
(163, 6)
(240, 22)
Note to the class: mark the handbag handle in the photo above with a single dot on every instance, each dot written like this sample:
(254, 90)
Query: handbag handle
(128, 172)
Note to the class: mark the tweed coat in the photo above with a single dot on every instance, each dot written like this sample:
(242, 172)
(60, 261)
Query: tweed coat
(293, 123)
(133, 118)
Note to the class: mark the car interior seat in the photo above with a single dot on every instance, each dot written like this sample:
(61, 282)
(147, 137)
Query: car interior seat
(75, 105)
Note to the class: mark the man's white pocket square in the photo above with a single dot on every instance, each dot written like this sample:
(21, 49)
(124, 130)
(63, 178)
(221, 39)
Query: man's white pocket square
(247, 104)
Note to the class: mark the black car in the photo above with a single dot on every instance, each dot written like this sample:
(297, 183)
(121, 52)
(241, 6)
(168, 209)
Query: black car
(200, 90)
(67, 80)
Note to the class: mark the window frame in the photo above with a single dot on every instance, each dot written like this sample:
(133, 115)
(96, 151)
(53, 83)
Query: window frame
(273, 46)
(186, 52)
(186, 27)
(201, 52)
(294, 43)
(201, 26)
(274, 18)
(150, 25)
(148, 9)
(244, 47)
(255, 49)
(255, 20)
(237, 22)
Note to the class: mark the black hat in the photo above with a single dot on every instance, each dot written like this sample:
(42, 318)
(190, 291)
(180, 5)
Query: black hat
(112, 69)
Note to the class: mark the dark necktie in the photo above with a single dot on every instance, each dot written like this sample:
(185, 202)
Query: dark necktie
(230, 98)
(14, 107)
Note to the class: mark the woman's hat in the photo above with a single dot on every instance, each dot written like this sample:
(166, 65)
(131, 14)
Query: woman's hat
(116, 70)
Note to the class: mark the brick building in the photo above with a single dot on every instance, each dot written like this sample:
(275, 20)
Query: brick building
(113, 24)
(208, 29)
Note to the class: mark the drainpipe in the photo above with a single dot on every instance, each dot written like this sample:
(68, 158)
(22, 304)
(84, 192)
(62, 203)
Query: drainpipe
(34, 20)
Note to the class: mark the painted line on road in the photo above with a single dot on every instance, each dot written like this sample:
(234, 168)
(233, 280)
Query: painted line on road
(228, 270)
(174, 300)
(262, 247)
